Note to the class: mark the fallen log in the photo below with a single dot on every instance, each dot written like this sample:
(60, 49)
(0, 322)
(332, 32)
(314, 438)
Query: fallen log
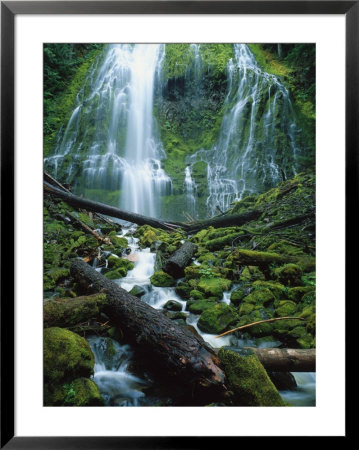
(287, 359)
(176, 264)
(223, 221)
(281, 359)
(177, 355)
(90, 205)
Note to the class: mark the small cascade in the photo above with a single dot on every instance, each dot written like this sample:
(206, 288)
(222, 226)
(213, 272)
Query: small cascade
(257, 141)
(117, 385)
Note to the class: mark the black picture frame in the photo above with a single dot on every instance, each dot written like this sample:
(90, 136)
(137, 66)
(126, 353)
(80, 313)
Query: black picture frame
(9, 10)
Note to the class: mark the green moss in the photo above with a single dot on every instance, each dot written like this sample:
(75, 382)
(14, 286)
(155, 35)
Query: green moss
(183, 290)
(298, 292)
(277, 289)
(120, 267)
(80, 392)
(248, 380)
(66, 356)
(246, 308)
(173, 305)
(286, 308)
(254, 258)
(251, 273)
(60, 312)
(260, 296)
(196, 295)
(198, 306)
(217, 318)
(237, 296)
(162, 279)
(289, 274)
(214, 287)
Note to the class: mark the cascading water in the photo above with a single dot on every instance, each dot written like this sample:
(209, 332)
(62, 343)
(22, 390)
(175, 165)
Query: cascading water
(112, 134)
(257, 146)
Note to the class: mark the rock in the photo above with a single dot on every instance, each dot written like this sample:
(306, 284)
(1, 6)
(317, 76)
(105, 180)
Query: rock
(162, 279)
(286, 308)
(183, 290)
(80, 392)
(261, 296)
(198, 306)
(137, 291)
(217, 318)
(66, 356)
(248, 380)
(289, 274)
(173, 305)
(214, 287)
(283, 380)
(237, 296)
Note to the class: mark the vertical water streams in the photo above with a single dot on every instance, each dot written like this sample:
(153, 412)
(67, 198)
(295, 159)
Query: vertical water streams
(257, 141)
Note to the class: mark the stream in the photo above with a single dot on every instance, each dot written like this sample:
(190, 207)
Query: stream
(115, 367)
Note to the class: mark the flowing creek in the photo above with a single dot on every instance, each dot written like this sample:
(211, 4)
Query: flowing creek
(113, 363)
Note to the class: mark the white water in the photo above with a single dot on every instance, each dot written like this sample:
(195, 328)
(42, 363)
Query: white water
(113, 126)
(246, 156)
(116, 382)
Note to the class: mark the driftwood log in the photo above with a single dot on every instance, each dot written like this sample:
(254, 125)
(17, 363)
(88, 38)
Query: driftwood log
(180, 357)
(176, 264)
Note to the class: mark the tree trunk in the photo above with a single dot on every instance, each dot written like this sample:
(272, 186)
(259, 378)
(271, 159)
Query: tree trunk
(176, 264)
(223, 221)
(283, 359)
(177, 355)
(90, 205)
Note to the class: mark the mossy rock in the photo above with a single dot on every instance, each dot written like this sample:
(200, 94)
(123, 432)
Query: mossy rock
(289, 274)
(285, 248)
(286, 308)
(237, 296)
(120, 263)
(261, 296)
(66, 356)
(66, 312)
(277, 289)
(193, 272)
(214, 287)
(198, 306)
(137, 291)
(119, 242)
(296, 293)
(217, 318)
(196, 295)
(245, 309)
(173, 305)
(162, 279)
(183, 290)
(252, 273)
(248, 380)
(307, 341)
(80, 392)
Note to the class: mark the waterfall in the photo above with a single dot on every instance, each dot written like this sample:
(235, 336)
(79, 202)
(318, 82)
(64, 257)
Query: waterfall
(257, 139)
(112, 134)
(189, 189)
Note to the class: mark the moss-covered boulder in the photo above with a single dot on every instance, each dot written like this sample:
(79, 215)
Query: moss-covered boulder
(196, 295)
(237, 296)
(198, 306)
(183, 290)
(251, 273)
(172, 305)
(296, 293)
(217, 318)
(138, 291)
(80, 392)
(66, 356)
(248, 380)
(261, 296)
(276, 288)
(286, 308)
(162, 279)
(246, 308)
(66, 312)
(289, 274)
(214, 287)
